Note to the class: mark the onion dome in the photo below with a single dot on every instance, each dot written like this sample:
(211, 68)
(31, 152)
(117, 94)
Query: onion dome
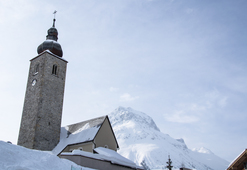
(51, 43)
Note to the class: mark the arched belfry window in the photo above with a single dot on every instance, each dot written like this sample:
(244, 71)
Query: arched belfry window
(54, 69)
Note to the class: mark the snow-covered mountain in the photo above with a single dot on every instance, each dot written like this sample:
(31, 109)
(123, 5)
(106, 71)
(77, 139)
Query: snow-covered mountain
(140, 139)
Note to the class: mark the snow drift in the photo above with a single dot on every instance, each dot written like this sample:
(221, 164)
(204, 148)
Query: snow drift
(13, 157)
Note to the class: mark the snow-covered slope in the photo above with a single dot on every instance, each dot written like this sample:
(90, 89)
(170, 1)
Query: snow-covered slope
(13, 157)
(140, 139)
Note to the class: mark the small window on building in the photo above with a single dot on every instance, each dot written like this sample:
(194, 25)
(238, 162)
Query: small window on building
(54, 69)
(80, 148)
(245, 165)
(36, 69)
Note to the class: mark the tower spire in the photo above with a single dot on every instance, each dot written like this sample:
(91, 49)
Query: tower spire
(50, 43)
(54, 20)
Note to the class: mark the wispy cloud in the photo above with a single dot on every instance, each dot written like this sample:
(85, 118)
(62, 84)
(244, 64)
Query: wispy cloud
(189, 10)
(126, 97)
(194, 111)
(185, 113)
(215, 99)
(113, 89)
(181, 117)
(11, 10)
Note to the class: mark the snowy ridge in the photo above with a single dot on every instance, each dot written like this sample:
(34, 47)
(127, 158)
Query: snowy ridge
(140, 139)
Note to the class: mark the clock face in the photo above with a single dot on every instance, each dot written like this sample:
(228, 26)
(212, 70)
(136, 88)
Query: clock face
(34, 82)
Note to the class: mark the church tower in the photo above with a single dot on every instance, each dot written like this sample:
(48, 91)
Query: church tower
(42, 111)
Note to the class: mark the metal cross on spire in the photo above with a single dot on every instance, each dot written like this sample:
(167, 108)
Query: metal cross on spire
(54, 18)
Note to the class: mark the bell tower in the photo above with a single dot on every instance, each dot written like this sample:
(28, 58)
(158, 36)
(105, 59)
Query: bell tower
(43, 104)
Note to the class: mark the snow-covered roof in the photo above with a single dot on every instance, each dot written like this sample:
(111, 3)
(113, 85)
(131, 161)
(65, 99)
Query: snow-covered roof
(78, 127)
(106, 155)
(81, 132)
(238, 159)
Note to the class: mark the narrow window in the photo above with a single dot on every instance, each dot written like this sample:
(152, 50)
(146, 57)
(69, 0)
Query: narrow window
(54, 69)
(36, 69)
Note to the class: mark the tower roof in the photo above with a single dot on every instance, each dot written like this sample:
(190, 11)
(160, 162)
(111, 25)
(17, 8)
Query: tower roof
(51, 42)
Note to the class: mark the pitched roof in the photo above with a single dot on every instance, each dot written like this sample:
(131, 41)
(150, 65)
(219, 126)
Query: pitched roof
(78, 127)
(238, 163)
(71, 134)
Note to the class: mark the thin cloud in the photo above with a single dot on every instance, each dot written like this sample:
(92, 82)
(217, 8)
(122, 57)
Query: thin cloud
(189, 10)
(215, 99)
(181, 117)
(223, 101)
(194, 112)
(113, 89)
(126, 97)
(186, 113)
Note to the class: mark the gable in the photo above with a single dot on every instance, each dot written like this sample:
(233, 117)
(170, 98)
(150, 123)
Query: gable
(105, 137)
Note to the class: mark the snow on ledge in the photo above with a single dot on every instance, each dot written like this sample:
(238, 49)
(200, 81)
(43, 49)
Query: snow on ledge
(48, 51)
(62, 58)
(107, 155)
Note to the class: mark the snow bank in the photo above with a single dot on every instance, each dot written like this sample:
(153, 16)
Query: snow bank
(14, 157)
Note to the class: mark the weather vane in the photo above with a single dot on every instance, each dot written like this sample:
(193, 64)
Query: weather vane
(54, 18)
(54, 14)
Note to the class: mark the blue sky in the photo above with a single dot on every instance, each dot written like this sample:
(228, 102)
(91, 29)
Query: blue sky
(184, 63)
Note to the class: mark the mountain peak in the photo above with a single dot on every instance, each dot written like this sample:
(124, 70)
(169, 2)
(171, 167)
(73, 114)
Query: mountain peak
(128, 115)
(141, 140)
(181, 140)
